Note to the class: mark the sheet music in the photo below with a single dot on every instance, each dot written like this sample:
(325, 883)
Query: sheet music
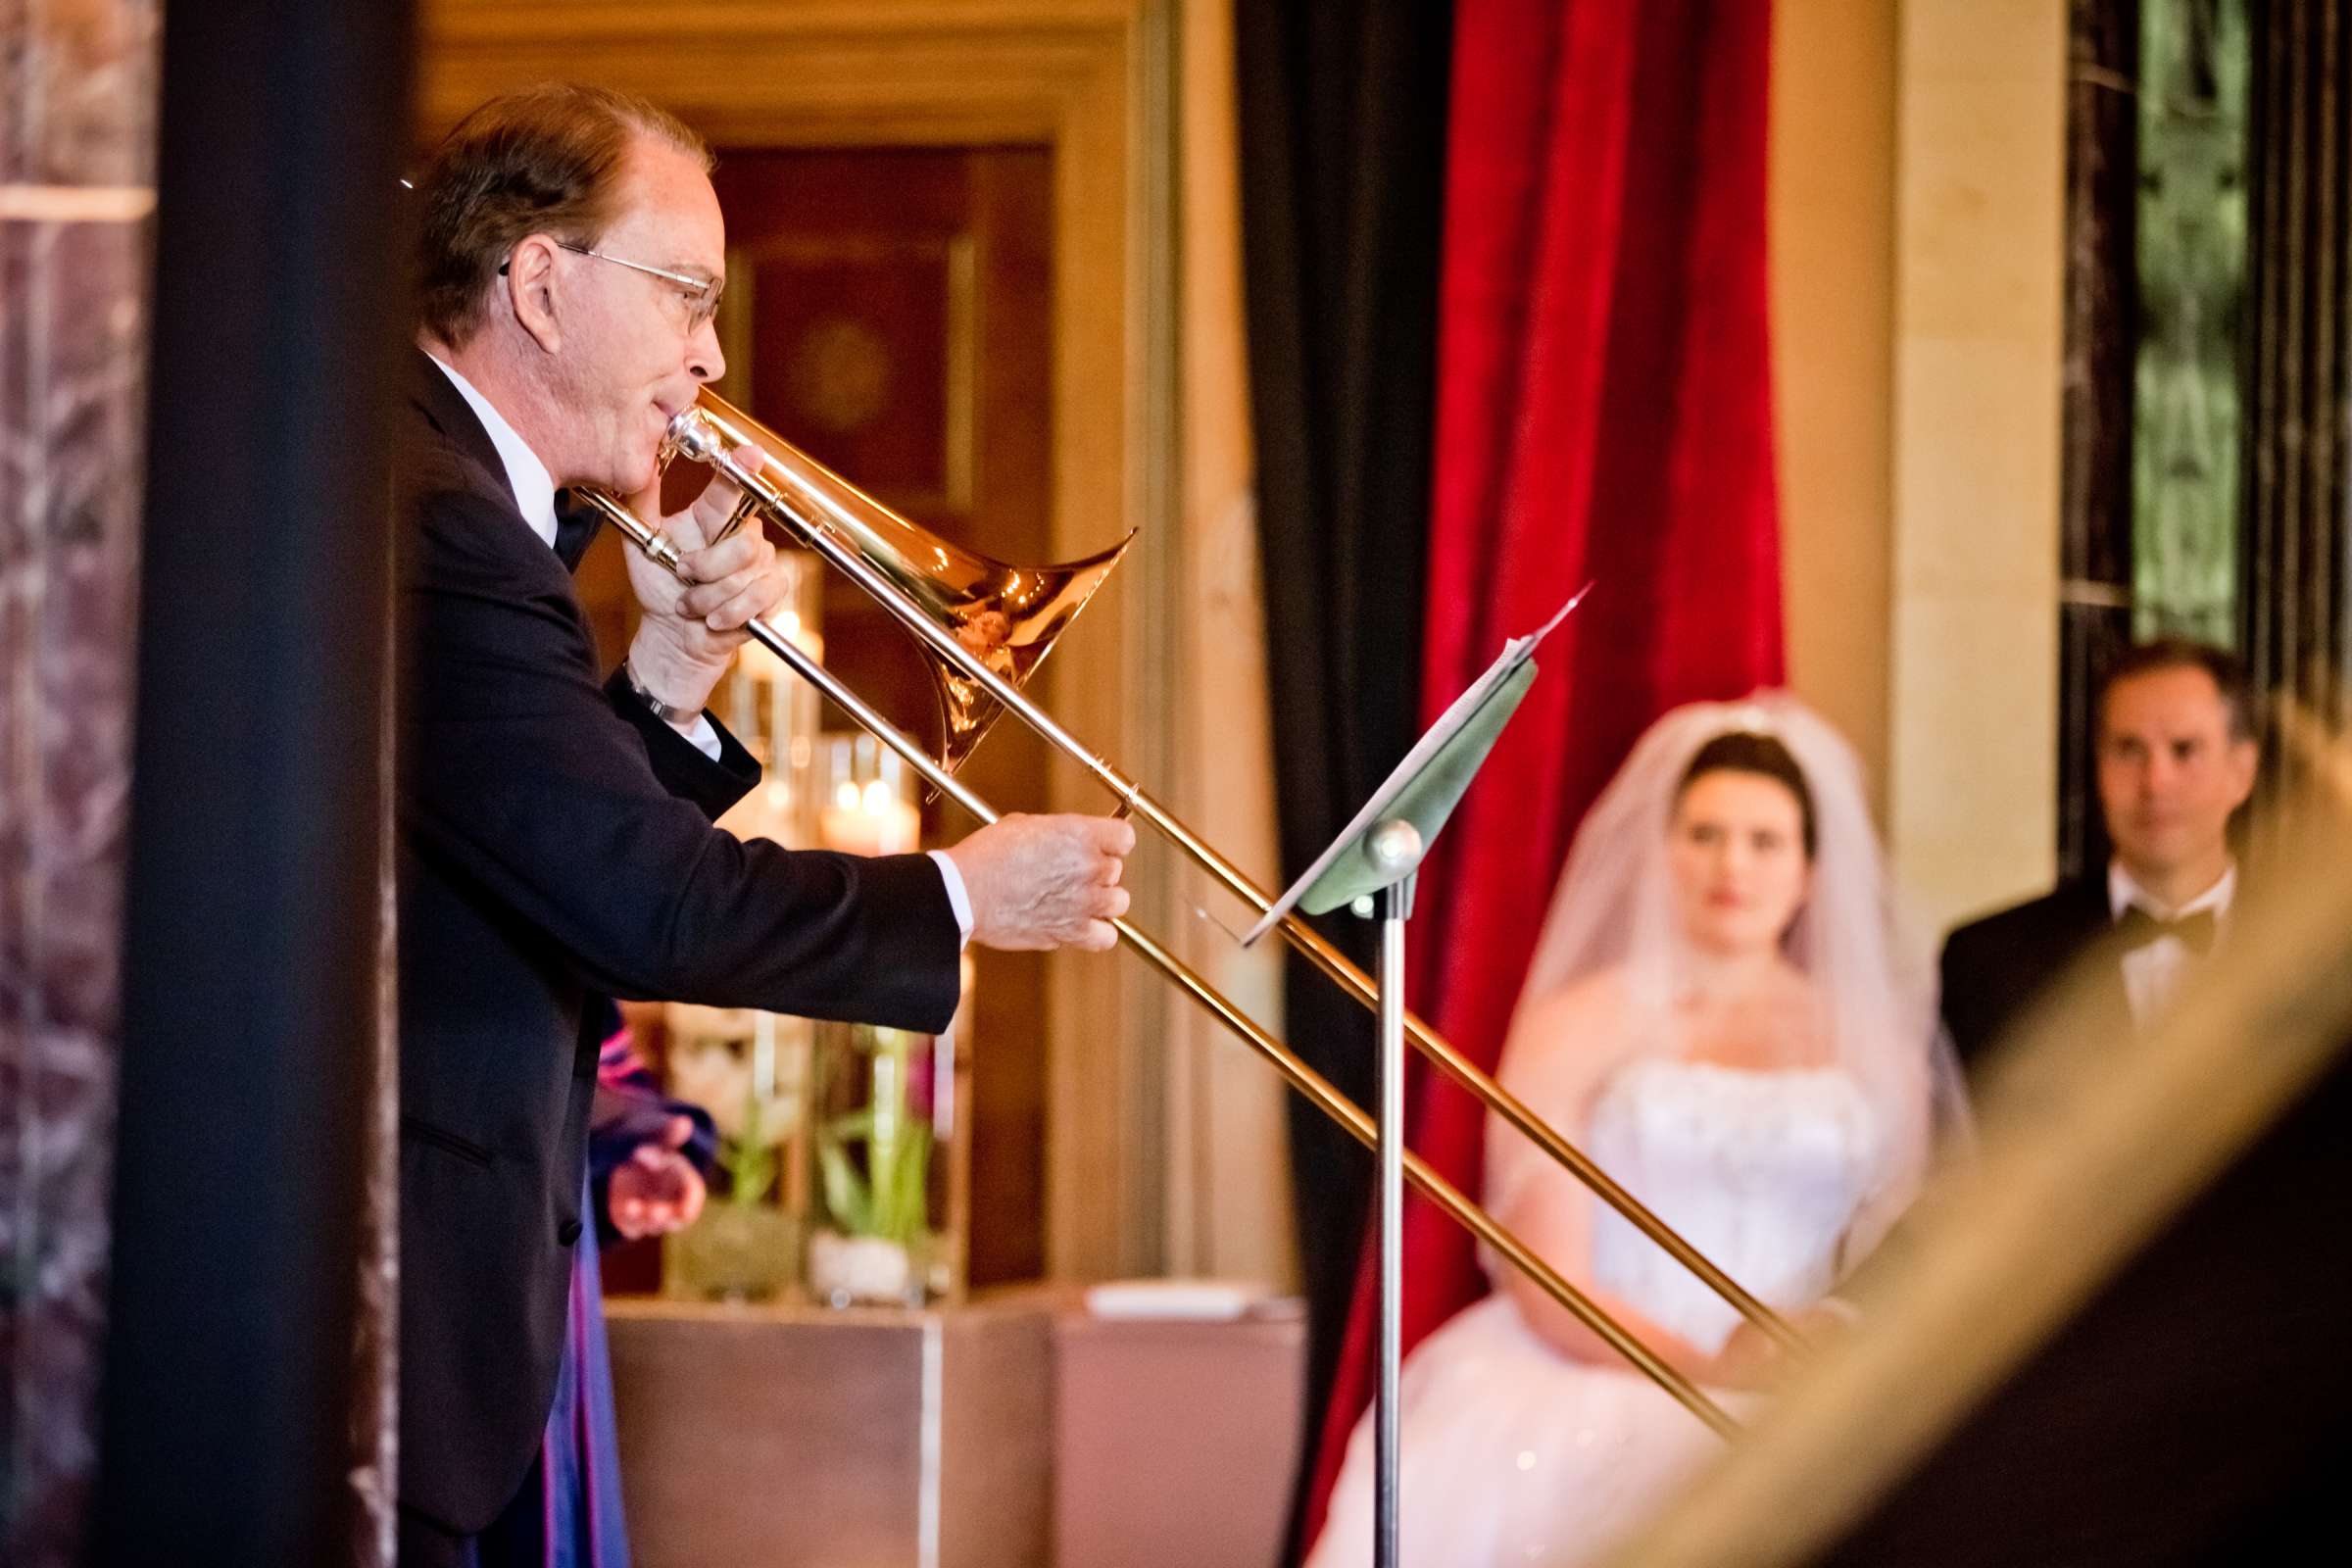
(1515, 652)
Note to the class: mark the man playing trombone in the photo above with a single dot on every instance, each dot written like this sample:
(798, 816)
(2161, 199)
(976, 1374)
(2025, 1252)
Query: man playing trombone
(557, 837)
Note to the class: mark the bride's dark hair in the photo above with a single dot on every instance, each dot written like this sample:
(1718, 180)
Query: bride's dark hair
(1743, 751)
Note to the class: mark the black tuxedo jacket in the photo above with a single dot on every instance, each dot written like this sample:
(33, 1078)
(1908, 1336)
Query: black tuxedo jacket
(557, 840)
(1995, 969)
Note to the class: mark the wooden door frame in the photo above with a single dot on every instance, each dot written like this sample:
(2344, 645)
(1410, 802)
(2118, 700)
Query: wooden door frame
(1092, 82)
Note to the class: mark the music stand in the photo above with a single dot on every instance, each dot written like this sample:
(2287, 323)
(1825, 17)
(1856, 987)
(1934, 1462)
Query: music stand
(1372, 865)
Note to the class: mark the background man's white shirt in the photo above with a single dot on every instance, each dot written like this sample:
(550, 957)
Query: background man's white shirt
(2153, 974)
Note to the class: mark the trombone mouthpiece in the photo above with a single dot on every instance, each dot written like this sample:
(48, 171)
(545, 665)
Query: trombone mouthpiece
(691, 435)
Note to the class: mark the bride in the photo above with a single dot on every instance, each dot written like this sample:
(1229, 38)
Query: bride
(1718, 1013)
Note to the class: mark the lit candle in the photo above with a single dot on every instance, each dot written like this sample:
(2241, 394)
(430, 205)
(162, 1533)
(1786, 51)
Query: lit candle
(870, 819)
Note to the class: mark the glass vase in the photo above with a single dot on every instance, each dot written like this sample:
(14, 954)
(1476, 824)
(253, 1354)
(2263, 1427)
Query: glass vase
(750, 1071)
(886, 1166)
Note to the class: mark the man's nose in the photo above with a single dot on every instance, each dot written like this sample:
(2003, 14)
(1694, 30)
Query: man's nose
(704, 359)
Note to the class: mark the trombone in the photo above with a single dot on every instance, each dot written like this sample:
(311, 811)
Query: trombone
(986, 627)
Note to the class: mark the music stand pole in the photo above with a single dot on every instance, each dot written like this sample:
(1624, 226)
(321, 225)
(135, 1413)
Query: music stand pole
(1394, 847)
(1370, 869)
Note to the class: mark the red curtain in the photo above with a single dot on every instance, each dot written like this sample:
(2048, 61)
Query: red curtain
(1605, 413)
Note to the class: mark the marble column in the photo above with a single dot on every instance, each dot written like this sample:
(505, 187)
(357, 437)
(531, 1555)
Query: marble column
(2295, 613)
(2156, 423)
(2094, 608)
(78, 110)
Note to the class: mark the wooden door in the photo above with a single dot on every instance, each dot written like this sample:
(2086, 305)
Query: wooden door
(898, 328)
(889, 311)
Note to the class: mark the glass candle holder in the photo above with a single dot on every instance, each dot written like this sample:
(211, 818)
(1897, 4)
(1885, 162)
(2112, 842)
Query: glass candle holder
(775, 715)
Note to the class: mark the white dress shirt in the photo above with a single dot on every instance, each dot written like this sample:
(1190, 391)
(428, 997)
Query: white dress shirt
(535, 497)
(2153, 974)
(533, 486)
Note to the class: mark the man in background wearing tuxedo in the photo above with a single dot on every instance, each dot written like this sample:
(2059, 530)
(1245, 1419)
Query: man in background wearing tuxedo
(557, 837)
(2177, 757)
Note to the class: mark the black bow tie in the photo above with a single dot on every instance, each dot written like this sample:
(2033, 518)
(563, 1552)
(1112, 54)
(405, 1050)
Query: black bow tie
(576, 525)
(2135, 927)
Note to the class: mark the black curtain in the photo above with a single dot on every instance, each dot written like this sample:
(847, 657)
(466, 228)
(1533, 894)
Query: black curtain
(250, 949)
(1343, 126)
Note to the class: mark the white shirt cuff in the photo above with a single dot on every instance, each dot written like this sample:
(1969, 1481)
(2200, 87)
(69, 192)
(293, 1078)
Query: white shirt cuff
(705, 737)
(959, 900)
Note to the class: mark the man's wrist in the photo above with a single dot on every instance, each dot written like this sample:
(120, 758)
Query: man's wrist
(680, 716)
(959, 897)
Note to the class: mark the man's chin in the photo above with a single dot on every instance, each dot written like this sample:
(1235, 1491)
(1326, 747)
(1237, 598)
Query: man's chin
(2164, 856)
(639, 476)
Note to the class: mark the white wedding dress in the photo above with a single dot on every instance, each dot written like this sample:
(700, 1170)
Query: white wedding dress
(1515, 1453)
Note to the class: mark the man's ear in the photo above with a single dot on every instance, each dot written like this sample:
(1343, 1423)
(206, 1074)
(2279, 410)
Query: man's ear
(2246, 761)
(530, 281)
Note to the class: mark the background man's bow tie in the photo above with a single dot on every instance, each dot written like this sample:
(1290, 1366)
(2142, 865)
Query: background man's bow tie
(2136, 928)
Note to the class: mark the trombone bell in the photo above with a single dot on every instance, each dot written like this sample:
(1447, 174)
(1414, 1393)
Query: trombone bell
(1007, 617)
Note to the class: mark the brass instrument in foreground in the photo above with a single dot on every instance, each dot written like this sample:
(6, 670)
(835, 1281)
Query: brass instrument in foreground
(985, 627)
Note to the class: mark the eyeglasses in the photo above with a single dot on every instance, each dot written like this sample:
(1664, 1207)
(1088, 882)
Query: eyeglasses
(701, 293)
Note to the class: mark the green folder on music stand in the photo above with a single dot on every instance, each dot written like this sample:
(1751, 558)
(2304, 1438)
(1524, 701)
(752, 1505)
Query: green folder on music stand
(1425, 800)
(1422, 790)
